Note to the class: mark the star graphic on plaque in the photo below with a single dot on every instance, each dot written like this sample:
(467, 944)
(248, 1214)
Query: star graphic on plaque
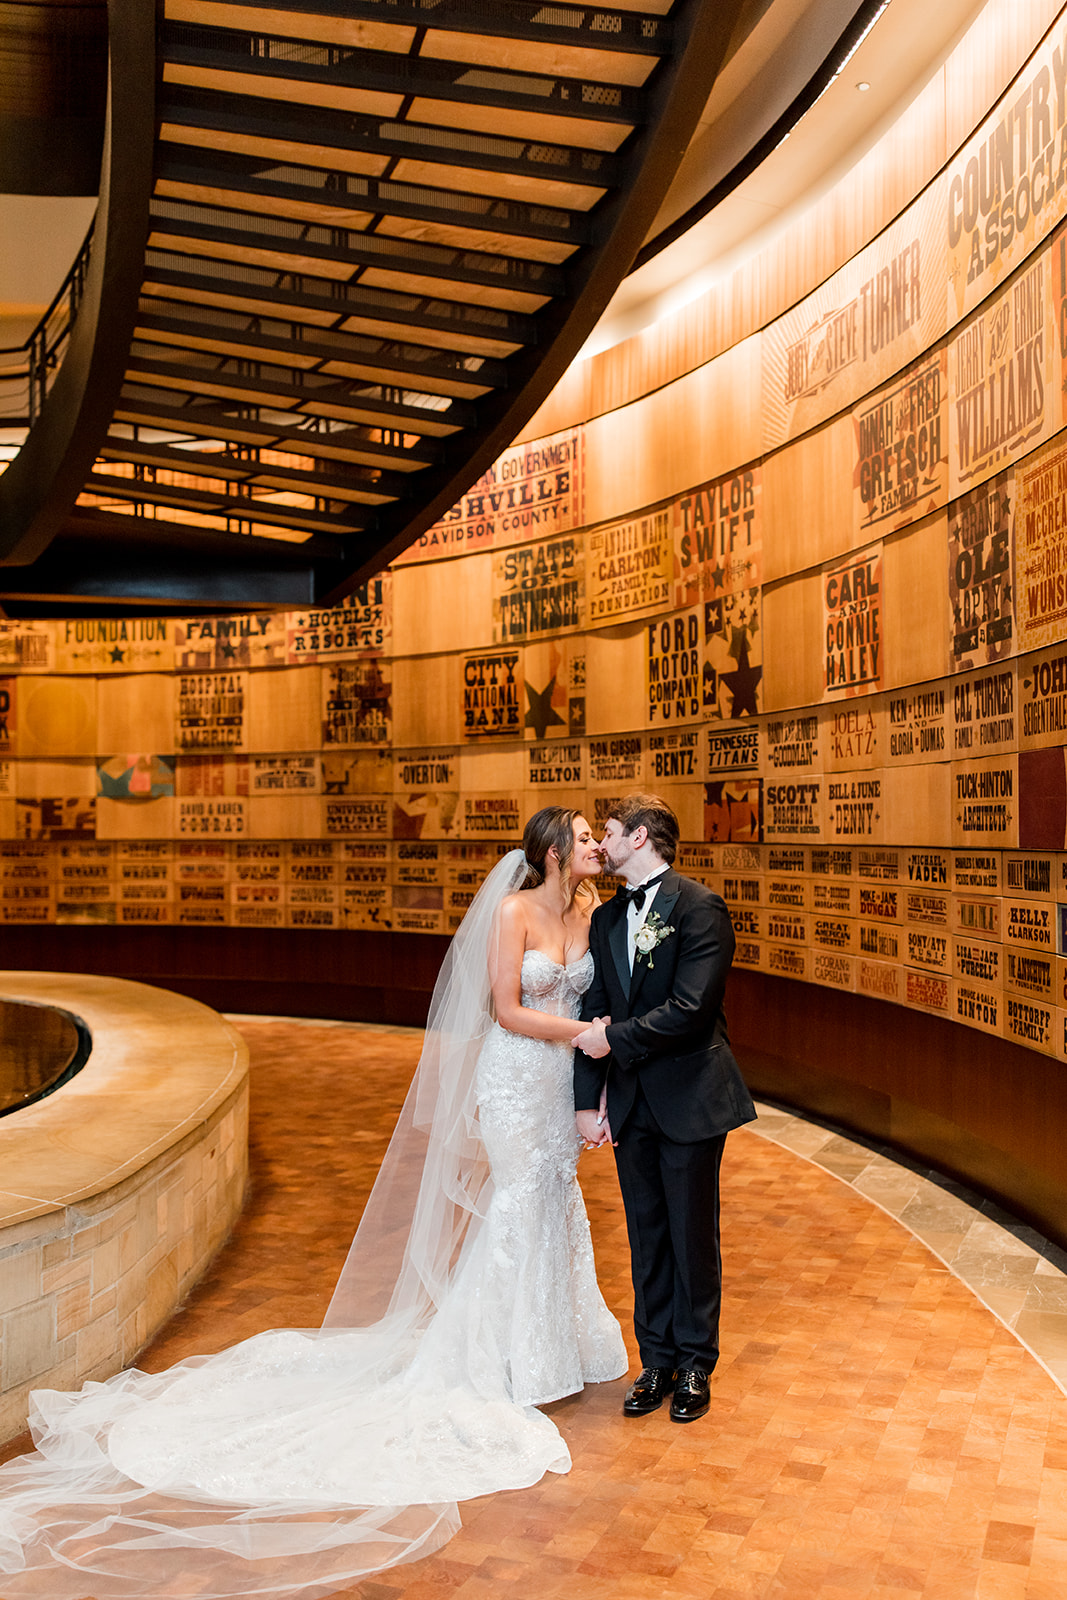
(541, 714)
(732, 661)
(430, 814)
(733, 811)
(744, 619)
(742, 684)
(117, 653)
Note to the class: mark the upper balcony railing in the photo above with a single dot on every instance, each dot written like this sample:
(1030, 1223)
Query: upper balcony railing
(28, 370)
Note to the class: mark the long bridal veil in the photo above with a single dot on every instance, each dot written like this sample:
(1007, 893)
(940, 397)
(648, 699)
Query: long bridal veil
(300, 1460)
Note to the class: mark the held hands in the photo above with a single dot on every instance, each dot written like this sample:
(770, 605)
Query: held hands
(594, 1129)
(593, 1042)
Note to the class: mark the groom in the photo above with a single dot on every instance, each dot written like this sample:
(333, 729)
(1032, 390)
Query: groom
(662, 949)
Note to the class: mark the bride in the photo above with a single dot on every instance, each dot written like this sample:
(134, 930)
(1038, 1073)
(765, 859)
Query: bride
(298, 1461)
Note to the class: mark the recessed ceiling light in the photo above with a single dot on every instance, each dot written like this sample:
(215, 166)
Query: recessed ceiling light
(863, 86)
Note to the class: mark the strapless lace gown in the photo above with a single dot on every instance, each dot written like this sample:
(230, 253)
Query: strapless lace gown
(304, 1427)
(532, 1266)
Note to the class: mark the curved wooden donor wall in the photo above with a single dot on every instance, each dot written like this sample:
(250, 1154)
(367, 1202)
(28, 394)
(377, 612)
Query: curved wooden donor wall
(117, 1189)
(797, 558)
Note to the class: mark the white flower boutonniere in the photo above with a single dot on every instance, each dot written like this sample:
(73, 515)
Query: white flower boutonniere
(651, 933)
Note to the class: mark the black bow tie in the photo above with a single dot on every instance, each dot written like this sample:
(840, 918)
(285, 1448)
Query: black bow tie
(636, 897)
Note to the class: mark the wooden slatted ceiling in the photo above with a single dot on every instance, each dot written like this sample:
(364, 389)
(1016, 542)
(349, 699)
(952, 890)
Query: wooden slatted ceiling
(361, 209)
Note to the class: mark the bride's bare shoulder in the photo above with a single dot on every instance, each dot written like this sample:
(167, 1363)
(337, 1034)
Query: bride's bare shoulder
(514, 911)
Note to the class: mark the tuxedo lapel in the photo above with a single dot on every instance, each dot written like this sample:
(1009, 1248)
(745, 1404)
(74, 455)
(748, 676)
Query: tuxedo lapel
(617, 944)
(662, 906)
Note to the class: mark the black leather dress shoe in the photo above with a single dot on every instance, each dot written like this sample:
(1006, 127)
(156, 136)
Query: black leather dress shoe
(690, 1399)
(652, 1387)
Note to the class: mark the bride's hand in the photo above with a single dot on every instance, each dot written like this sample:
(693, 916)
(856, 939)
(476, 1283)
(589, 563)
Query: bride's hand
(593, 1130)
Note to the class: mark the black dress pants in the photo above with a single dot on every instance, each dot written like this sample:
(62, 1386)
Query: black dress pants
(670, 1192)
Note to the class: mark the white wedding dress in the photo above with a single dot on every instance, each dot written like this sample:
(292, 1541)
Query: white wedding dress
(298, 1461)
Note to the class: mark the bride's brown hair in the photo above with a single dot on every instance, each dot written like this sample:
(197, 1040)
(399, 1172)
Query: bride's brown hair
(551, 828)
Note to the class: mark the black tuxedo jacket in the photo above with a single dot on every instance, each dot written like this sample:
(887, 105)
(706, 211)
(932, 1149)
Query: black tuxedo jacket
(668, 1029)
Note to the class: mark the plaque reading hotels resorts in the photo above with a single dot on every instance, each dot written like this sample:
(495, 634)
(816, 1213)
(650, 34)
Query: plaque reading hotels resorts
(363, 624)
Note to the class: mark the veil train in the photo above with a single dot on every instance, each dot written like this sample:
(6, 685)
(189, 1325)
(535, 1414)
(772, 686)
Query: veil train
(231, 1474)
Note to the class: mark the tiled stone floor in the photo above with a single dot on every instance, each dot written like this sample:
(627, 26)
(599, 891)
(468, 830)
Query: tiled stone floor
(1019, 1275)
(877, 1428)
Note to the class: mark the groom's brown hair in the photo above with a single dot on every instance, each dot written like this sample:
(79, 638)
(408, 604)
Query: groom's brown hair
(648, 811)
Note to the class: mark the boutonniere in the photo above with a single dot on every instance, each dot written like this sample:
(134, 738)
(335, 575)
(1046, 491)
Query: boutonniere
(651, 933)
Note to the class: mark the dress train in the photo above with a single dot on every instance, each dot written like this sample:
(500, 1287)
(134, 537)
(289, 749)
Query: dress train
(297, 1462)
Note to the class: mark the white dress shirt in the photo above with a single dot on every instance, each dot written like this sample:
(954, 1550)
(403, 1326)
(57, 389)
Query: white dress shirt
(635, 918)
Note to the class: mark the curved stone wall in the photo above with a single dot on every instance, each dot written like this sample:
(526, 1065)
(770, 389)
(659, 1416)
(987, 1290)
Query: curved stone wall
(117, 1189)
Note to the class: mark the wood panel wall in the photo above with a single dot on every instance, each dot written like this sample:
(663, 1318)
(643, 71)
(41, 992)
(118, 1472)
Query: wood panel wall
(796, 557)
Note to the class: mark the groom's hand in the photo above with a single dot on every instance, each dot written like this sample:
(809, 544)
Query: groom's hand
(593, 1041)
